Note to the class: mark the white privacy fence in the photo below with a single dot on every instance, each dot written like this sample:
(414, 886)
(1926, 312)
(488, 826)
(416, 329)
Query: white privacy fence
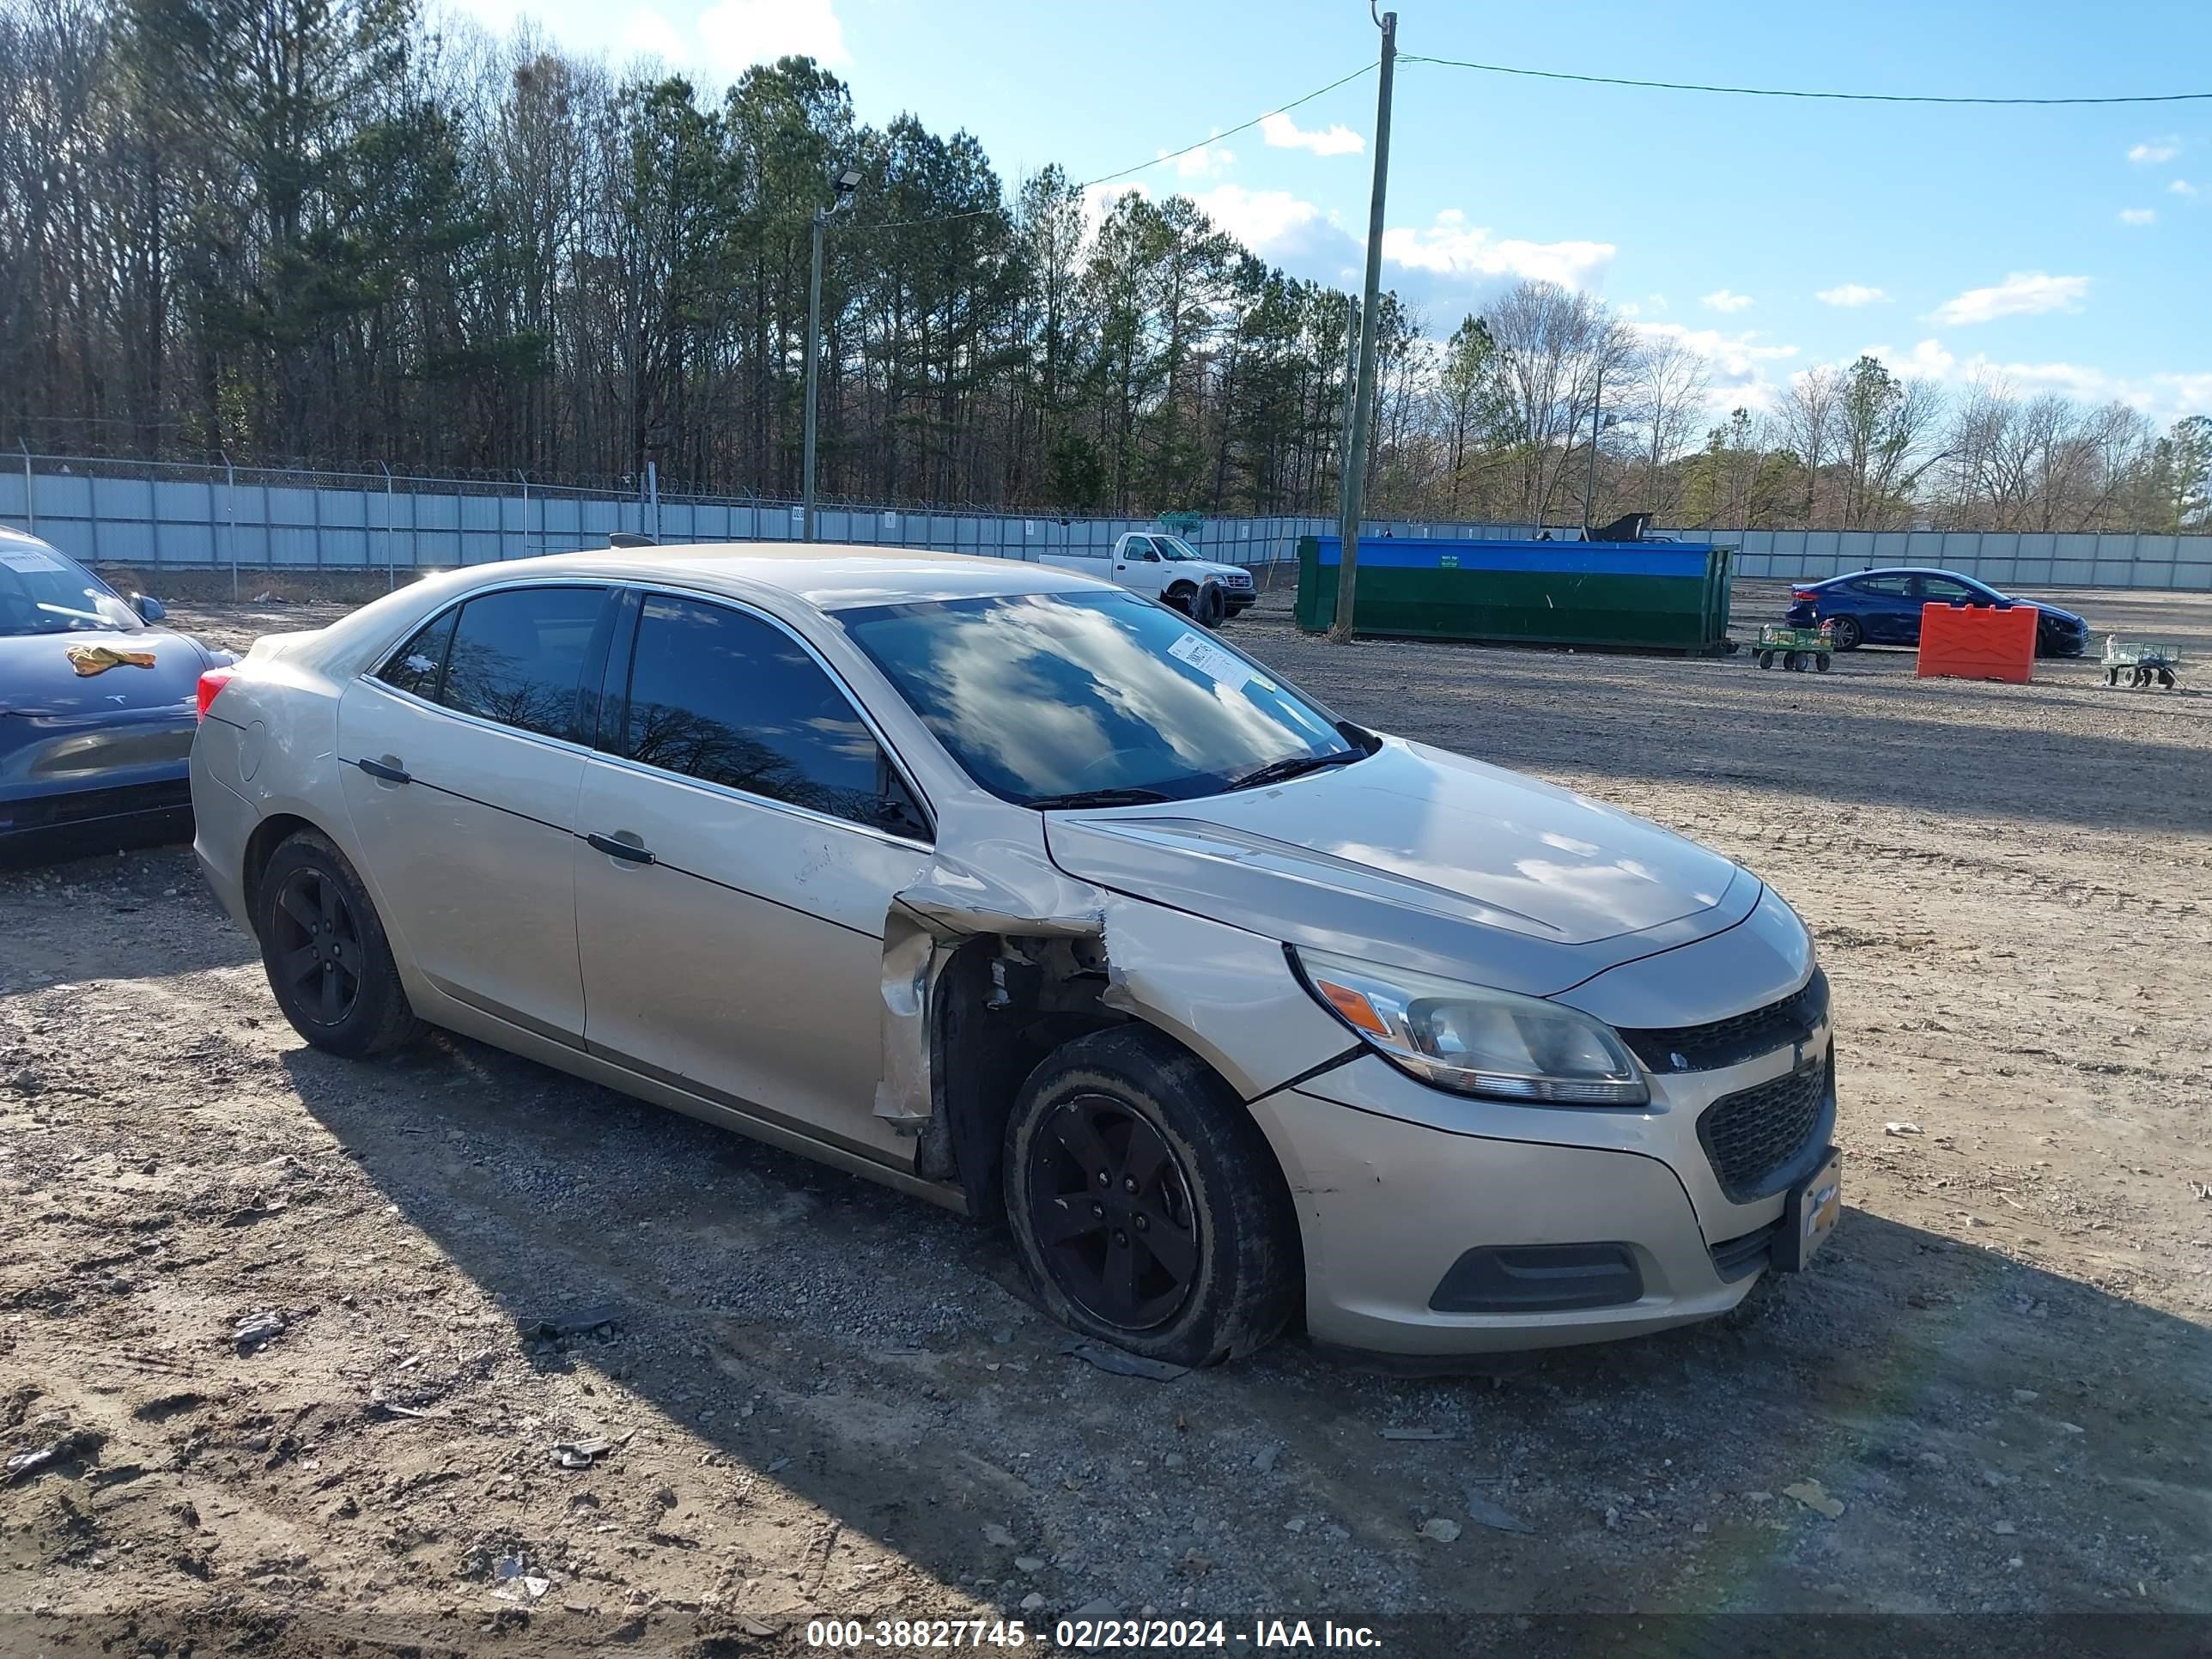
(156, 514)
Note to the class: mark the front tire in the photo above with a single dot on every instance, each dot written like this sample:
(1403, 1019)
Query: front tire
(1145, 1206)
(325, 953)
(1846, 635)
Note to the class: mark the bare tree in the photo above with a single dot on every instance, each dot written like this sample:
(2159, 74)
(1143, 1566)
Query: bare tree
(1556, 349)
(1669, 388)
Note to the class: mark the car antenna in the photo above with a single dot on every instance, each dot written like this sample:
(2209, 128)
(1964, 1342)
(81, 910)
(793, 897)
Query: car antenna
(630, 538)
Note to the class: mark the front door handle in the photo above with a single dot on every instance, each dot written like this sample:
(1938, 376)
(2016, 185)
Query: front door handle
(628, 850)
(389, 773)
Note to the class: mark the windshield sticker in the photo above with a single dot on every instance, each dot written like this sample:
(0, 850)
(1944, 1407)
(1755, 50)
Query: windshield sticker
(29, 559)
(1222, 667)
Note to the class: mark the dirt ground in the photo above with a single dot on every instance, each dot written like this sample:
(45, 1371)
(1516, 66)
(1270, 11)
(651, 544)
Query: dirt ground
(1990, 1396)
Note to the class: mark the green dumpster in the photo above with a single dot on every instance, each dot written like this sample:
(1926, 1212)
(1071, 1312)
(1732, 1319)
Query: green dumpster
(1617, 596)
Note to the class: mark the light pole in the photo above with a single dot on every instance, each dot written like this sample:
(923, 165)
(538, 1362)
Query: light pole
(842, 188)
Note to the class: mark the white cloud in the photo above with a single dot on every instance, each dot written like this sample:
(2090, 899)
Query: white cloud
(1721, 299)
(647, 34)
(738, 33)
(1851, 293)
(2181, 187)
(1927, 360)
(2158, 150)
(1283, 133)
(1452, 247)
(1208, 160)
(2022, 294)
(1738, 362)
(2138, 215)
(1260, 219)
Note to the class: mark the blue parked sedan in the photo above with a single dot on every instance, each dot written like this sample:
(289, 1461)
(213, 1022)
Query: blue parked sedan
(97, 709)
(1882, 607)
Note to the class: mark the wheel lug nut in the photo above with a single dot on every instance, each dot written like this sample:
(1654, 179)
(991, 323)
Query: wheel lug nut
(1099, 1210)
(1128, 1184)
(1142, 1225)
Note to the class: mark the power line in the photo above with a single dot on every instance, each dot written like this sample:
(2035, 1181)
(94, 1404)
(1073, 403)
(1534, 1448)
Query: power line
(1787, 91)
(1167, 155)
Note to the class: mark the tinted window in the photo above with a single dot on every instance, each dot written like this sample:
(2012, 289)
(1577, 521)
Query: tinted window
(415, 666)
(517, 656)
(1045, 695)
(1942, 590)
(722, 696)
(1888, 587)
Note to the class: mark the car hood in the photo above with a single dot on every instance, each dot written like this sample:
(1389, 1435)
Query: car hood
(1423, 859)
(37, 677)
(2058, 611)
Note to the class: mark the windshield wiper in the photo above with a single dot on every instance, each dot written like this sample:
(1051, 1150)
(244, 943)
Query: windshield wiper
(1098, 798)
(1295, 766)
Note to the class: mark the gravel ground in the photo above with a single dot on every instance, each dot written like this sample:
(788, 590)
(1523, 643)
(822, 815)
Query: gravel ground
(824, 1399)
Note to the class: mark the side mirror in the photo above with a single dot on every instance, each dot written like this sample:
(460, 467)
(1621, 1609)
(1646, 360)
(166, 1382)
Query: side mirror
(149, 608)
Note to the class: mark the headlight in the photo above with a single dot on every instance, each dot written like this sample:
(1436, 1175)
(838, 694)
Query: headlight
(1474, 1040)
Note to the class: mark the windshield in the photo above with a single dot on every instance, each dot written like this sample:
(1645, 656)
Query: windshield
(42, 591)
(1045, 695)
(1173, 547)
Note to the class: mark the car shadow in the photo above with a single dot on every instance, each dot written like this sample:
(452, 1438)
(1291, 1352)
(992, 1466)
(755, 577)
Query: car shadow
(1957, 1409)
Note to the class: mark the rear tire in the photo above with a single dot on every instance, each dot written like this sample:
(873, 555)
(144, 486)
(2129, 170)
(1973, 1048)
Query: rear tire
(1145, 1206)
(1847, 633)
(325, 951)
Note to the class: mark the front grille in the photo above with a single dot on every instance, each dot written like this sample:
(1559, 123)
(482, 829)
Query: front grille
(1757, 1136)
(1737, 1038)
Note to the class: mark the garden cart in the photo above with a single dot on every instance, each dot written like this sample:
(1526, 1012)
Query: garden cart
(1800, 649)
(2140, 666)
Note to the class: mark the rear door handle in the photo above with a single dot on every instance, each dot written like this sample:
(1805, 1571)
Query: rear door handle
(628, 850)
(389, 773)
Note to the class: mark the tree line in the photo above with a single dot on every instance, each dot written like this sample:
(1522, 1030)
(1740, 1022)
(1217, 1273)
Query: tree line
(325, 231)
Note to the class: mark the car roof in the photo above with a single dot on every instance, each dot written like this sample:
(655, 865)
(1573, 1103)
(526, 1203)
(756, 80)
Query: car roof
(1908, 570)
(828, 575)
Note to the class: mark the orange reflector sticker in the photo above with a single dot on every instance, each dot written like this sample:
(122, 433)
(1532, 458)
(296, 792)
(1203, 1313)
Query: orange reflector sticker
(1354, 1007)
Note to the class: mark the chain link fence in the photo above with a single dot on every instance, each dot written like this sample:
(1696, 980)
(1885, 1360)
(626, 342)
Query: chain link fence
(154, 515)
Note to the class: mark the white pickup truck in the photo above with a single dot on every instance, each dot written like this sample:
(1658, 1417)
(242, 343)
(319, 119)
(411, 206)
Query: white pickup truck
(1153, 562)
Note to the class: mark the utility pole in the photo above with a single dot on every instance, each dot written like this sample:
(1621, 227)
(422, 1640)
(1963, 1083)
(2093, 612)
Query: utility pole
(842, 188)
(1355, 491)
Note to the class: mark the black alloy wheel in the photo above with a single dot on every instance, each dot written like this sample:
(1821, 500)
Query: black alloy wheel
(325, 952)
(1110, 1207)
(1146, 1207)
(318, 947)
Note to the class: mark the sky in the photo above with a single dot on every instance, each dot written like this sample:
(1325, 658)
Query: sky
(2062, 249)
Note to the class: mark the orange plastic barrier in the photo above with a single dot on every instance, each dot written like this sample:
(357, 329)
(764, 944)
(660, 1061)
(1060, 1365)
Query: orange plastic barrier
(1977, 643)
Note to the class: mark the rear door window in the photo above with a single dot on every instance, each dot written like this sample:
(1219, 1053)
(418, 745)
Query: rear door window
(517, 656)
(416, 667)
(722, 696)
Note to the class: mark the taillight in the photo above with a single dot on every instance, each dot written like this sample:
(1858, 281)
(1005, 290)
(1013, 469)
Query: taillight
(212, 681)
(1802, 594)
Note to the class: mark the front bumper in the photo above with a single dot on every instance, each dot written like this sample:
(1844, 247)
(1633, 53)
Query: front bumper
(1396, 1183)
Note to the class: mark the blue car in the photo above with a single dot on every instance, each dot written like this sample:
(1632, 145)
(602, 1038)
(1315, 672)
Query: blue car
(1882, 607)
(98, 707)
